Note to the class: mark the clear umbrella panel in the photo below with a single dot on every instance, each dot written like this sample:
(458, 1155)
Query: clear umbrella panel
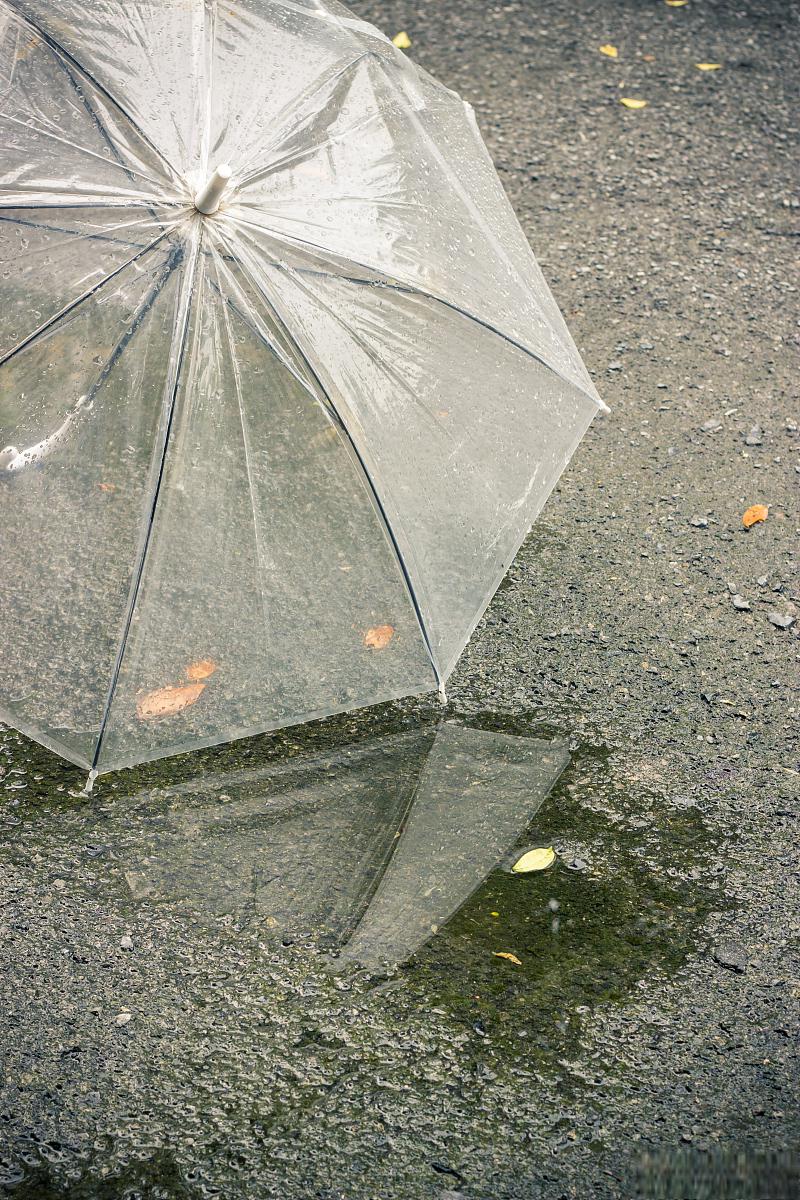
(269, 460)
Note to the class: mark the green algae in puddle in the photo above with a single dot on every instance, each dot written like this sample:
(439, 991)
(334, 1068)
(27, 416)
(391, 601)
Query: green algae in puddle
(583, 936)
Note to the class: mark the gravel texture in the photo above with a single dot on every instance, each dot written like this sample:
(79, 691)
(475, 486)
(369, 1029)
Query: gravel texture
(647, 1045)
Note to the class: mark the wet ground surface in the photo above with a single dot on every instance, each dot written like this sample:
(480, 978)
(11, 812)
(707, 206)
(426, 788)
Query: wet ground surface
(646, 1043)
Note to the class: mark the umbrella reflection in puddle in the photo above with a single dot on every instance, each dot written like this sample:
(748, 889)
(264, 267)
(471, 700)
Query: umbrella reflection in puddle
(367, 848)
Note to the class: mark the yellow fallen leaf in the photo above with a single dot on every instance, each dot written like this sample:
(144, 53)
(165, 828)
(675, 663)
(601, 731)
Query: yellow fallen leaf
(677, 3)
(609, 51)
(754, 514)
(401, 40)
(166, 701)
(511, 957)
(709, 66)
(380, 636)
(630, 103)
(494, 914)
(535, 860)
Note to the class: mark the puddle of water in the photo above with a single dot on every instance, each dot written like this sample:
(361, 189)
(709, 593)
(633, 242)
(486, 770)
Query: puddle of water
(631, 886)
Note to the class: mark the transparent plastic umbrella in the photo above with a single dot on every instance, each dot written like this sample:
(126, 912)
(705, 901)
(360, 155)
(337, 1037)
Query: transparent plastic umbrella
(282, 387)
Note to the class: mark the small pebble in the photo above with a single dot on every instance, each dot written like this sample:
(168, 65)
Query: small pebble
(754, 437)
(699, 522)
(740, 603)
(126, 942)
(730, 956)
(122, 1018)
(781, 620)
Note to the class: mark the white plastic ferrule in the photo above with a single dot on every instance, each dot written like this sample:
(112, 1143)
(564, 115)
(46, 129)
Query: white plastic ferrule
(207, 199)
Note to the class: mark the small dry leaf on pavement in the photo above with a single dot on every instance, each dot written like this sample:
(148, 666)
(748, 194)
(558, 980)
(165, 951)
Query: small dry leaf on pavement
(535, 860)
(380, 636)
(754, 514)
(629, 102)
(504, 954)
(609, 51)
(709, 66)
(401, 40)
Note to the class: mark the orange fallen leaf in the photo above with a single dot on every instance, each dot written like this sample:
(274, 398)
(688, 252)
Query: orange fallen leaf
(511, 957)
(202, 669)
(648, 58)
(166, 701)
(754, 514)
(380, 636)
(107, 487)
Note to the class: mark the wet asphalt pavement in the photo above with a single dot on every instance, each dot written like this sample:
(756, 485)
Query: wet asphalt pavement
(652, 1049)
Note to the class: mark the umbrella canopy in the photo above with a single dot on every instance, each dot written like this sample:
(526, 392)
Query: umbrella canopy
(282, 387)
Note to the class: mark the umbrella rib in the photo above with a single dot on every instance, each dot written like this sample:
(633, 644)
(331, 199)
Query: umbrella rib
(257, 329)
(393, 283)
(330, 406)
(411, 289)
(61, 51)
(179, 348)
(88, 237)
(73, 304)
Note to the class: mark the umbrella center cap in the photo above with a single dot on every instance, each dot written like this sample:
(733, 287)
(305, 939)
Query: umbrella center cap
(207, 199)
